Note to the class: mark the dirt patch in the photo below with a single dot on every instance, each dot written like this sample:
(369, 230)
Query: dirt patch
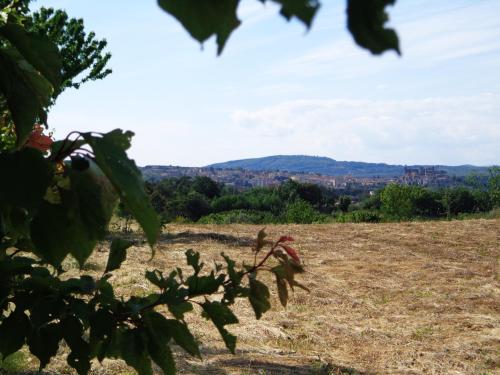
(409, 298)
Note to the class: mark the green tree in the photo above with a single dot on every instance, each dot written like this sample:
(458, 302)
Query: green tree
(397, 201)
(344, 203)
(494, 185)
(81, 58)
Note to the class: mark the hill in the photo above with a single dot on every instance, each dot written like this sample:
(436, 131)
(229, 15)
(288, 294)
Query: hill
(330, 167)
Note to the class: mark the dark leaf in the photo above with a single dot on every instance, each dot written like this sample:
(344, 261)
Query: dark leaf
(259, 297)
(25, 178)
(109, 150)
(38, 50)
(55, 233)
(366, 22)
(182, 336)
(26, 91)
(132, 348)
(158, 332)
(79, 358)
(117, 253)
(13, 331)
(202, 19)
(179, 309)
(221, 316)
(193, 260)
(84, 285)
(201, 285)
(304, 10)
(282, 290)
(44, 342)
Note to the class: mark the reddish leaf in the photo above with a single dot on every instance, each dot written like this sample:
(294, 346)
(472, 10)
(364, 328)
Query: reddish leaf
(39, 140)
(286, 239)
(292, 252)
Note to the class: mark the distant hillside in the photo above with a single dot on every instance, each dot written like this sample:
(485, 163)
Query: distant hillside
(331, 167)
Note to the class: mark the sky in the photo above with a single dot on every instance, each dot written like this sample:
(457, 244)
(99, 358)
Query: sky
(281, 89)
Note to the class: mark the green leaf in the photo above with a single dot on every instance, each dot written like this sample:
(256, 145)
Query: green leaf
(182, 336)
(159, 335)
(366, 22)
(201, 285)
(132, 348)
(109, 150)
(179, 309)
(38, 50)
(259, 297)
(202, 19)
(82, 218)
(13, 331)
(102, 327)
(53, 234)
(193, 260)
(25, 177)
(44, 342)
(304, 10)
(117, 254)
(162, 356)
(26, 91)
(221, 316)
(79, 358)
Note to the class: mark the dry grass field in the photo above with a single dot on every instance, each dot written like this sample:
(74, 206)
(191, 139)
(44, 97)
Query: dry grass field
(402, 298)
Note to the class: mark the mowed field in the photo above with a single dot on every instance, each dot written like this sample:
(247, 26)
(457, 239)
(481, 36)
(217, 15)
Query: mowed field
(399, 298)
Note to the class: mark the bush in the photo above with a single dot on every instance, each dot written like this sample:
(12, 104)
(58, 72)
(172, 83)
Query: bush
(239, 217)
(361, 216)
(301, 212)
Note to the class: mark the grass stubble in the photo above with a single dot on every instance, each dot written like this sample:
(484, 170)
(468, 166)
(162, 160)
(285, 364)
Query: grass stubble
(396, 298)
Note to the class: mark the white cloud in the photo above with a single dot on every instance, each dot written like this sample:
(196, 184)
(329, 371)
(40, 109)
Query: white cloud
(433, 130)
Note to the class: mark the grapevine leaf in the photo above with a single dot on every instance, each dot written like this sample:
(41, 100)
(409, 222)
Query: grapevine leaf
(117, 254)
(26, 91)
(109, 150)
(44, 342)
(259, 297)
(13, 332)
(38, 50)
(202, 19)
(304, 10)
(366, 22)
(282, 290)
(221, 316)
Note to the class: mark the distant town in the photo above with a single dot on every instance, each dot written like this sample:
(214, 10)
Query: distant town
(241, 179)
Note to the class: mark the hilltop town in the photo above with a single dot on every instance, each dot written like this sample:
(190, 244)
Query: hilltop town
(242, 178)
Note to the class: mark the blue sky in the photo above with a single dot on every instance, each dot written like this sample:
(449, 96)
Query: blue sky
(278, 89)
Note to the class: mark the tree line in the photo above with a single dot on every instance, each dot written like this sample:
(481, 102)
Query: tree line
(203, 200)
